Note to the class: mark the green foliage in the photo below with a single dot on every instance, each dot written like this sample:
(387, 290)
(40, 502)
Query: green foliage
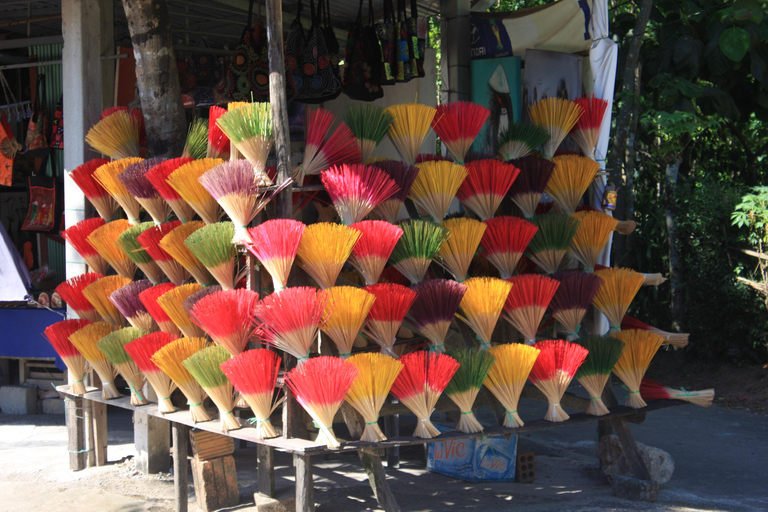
(752, 212)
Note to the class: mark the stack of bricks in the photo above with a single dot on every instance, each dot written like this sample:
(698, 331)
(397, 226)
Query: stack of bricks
(213, 470)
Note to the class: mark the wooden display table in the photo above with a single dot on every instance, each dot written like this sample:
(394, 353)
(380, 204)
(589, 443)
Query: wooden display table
(303, 449)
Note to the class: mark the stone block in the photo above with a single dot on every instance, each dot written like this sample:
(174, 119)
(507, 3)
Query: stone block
(267, 504)
(18, 400)
(614, 463)
(52, 406)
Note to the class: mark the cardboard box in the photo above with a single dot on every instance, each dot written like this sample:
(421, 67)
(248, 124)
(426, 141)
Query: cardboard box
(488, 459)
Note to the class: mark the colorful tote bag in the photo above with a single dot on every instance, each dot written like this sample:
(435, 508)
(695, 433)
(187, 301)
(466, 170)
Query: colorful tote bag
(362, 60)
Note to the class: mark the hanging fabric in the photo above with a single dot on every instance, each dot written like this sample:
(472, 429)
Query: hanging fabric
(57, 130)
(36, 141)
(387, 35)
(362, 60)
(247, 78)
(41, 214)
(404, 70)
(9, 147)
(418, 28)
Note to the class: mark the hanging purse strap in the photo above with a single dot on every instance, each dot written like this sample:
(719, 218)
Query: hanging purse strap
(401, 15)
(40, 87)
(371, 18)
(360, 13)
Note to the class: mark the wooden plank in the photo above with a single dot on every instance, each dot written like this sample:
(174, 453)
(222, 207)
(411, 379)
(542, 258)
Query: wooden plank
(631, 451)
(180, 478)
(207, 445)
(266, 470)
(89, 437)
(100, 435)
(377, 478)
(75, 433)
(305, 486)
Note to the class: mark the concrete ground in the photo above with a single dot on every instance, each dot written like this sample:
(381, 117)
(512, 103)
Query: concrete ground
(719, 456)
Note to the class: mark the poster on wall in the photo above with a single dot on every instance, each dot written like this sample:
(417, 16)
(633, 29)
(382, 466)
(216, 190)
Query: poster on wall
(551, 75)
(495, 85)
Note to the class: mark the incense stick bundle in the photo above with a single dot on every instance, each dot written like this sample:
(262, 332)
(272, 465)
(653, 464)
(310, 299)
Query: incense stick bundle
(371, 252)
(587, 129)
(196, 143)
(346, 309)
(218, 142)
(504, 242)
(320, 386)
(141, 351)
(104, 240)
(519, 140)
(126, 300)
(457, 124)
(572, 299)
(190, 301)
(204, 365)
(116, 135)
(228, 317)
(551, 242)
(640, 347)
(527, 302)
(557, 116)
(291, 318)
(135, 180)
(487, 183)
(393, 301)
(530, 184)
(457, 252)
(127, 241)
(158, 176)
(419, 385)
(571, 178)
(82, 175)
(173, 243)
(419, 244)
(71, 291)
(212, 245)
(553, 370)
(482, 305)
(463, 388)
(410, 124)
(356, 190)
(324, 248)
(376, 375)
(437, 301)
(619, 286)
(185, 181)
(651, 390)
(676, 339)
(107, 176)
(58, 336)
(249, 128)
(593, 374)
(275, 243)
(507, 377)
(170, 359)
(172, 303)
(150, 242)
(149, 298)
(77, 236)
(112, 346)
(404, 175)
(322, 151)
(254, 375)
(84, 340)
(370, 124)
(241, 193)
(593, 233)
(98, 293)
(435, 187)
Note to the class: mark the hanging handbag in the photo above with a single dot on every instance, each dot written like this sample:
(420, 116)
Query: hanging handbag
(41, 214)
(9, 147)
(36, 143)
(403, 71)
(418, 29)
(330, 37)
(247, 78)
(316, 80)
(386, 33)
(57, 131)
(362, 60)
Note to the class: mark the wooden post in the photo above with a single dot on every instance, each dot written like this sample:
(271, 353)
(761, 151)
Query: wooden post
(305, 486)
(89, 435)
(157, 76)
(378, 479)
(180, 476)
(266, 469)
(75, 433)
(152, 438)
(620, 427)
(392, 429)
(99, 427)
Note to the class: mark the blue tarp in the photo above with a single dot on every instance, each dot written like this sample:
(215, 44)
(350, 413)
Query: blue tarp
(22, 334)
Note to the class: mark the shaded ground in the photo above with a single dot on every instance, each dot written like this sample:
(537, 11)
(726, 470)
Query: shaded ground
(719, 456)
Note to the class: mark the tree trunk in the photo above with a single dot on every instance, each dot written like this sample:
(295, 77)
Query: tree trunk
(675, 259)
(157, 76)
(627, 93)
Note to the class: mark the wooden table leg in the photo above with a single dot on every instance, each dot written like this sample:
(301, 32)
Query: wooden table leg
(305, 486)
(620, 428)
(180, 476)
(99, 426)
(265, 456)
(89, 434)
(73, 408)
(378, 479)
(392, 429)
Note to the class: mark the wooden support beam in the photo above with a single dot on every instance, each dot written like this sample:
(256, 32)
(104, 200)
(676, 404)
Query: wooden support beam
(99, 427)
(152, 438)
(75, 433)
(180, 475)
(378, 479)
(305, 486)
(620, 428)
(266, 470)
(392, 429)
